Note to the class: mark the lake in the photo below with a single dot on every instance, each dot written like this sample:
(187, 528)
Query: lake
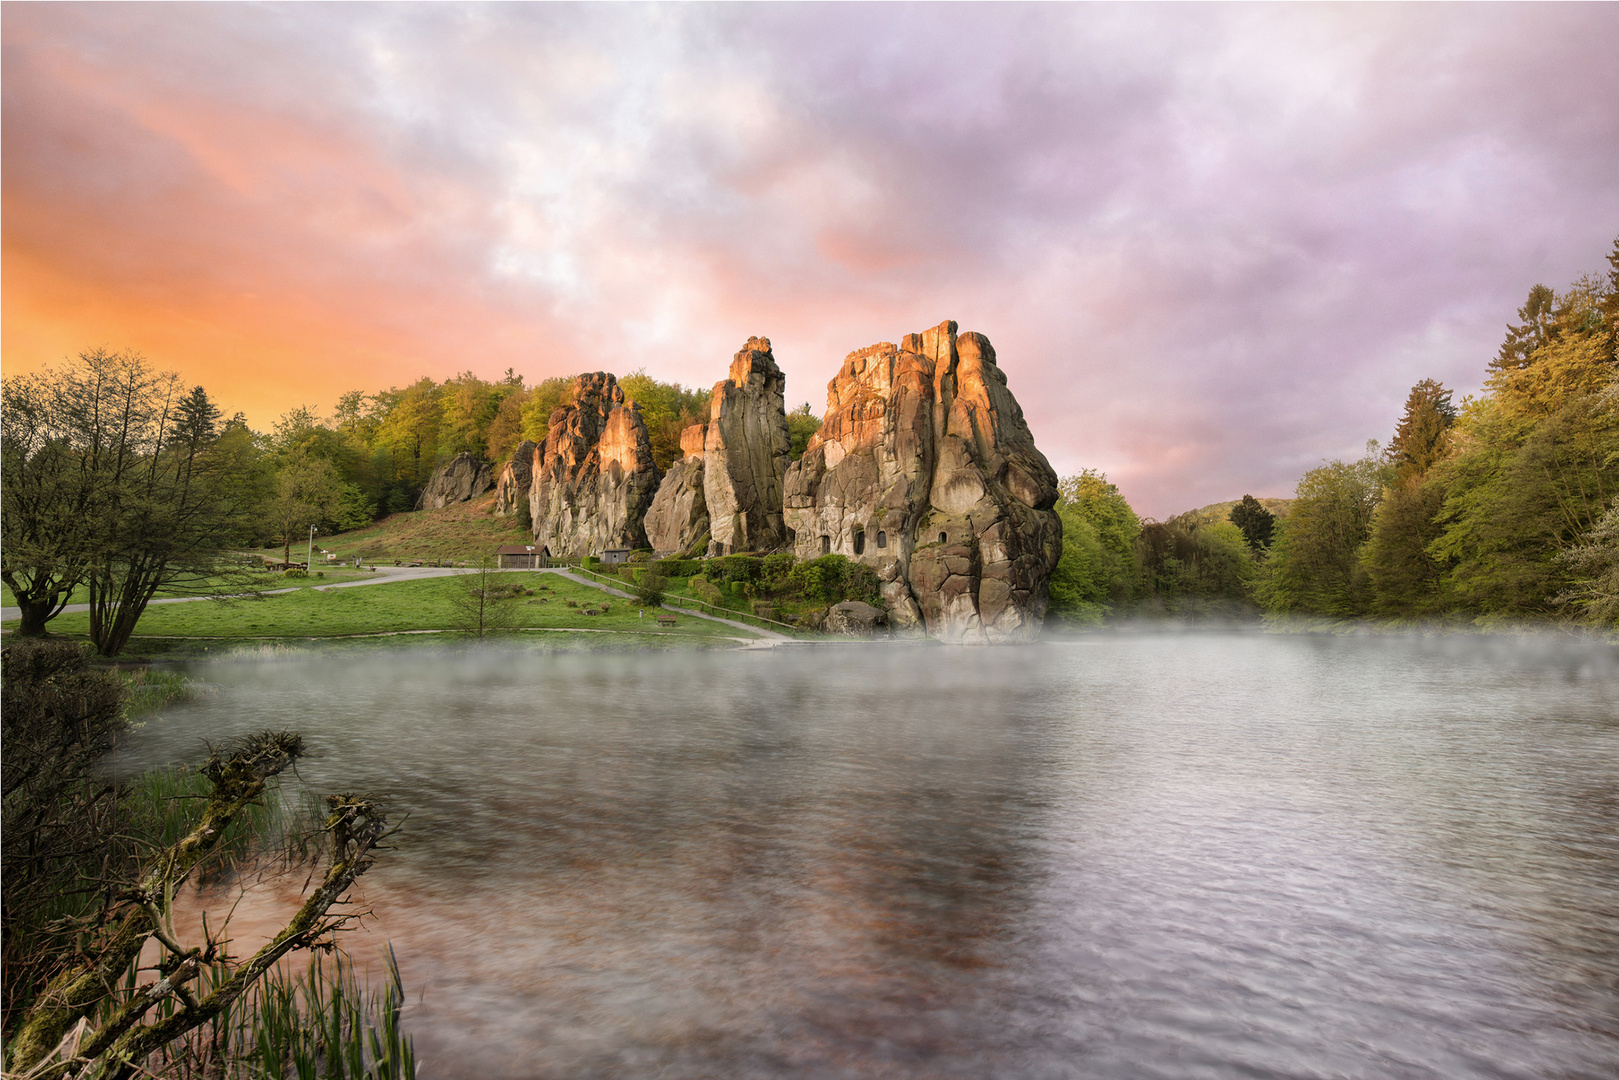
(1133, 855)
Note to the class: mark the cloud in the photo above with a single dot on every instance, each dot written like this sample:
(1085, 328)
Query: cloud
(1212, 244)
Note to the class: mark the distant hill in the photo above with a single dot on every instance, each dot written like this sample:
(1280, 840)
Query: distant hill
(1221, 511)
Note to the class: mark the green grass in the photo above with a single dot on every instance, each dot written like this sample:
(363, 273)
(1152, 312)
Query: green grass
(398, 608)
(225, 585)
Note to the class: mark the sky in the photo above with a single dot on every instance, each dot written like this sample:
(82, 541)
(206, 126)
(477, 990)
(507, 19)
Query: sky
(1212, 245)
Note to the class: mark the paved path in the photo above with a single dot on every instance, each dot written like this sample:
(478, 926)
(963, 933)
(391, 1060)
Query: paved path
(772, 637)
(386, 574)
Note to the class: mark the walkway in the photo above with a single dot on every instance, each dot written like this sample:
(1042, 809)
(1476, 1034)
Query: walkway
(386, 574)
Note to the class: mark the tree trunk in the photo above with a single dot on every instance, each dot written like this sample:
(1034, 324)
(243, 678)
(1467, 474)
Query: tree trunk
(34, 616)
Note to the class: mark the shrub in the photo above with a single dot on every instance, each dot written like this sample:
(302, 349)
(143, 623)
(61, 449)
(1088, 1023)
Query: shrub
(707, 591)
(737, 569)
(680, 568)
(295, 573)
(833, 578)
(776, 569)
(649, 590)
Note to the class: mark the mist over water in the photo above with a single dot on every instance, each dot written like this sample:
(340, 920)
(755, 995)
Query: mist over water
(1178, 855)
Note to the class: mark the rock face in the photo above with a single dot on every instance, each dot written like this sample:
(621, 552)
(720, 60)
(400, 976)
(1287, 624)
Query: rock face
(593, 477)
(925, 470)
(745, 452)
(461, 478)
(679, 514)
(515, 477)
(855, 619)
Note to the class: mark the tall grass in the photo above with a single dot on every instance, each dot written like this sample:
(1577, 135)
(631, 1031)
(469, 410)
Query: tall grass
(152, 689)
(318, 1024)
(161, 806)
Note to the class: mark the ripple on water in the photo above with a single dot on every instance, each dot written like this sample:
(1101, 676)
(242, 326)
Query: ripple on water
(1134, 856)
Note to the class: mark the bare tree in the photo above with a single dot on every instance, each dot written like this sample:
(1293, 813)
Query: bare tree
(483, 602)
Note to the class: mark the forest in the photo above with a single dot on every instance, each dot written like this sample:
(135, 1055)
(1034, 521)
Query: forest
(1498, 508)
(123, 483)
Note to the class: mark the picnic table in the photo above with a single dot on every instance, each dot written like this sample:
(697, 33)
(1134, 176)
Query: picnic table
(666, 620)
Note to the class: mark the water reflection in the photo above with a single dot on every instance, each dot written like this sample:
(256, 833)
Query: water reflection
(1119, 857)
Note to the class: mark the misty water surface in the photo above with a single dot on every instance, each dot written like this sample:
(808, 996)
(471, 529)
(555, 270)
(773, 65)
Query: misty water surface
(1135, 856)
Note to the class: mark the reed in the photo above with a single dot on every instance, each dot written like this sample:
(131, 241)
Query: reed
(317, 1024)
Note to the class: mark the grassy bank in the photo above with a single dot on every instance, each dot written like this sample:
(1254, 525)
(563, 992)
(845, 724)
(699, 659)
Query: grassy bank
(455, 533)
(561, 610)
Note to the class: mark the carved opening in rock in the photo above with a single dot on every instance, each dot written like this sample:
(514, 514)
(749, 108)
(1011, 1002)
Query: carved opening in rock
(859, 541)
(882, 538)
(826, 545)
(792, 537)
(943, 538)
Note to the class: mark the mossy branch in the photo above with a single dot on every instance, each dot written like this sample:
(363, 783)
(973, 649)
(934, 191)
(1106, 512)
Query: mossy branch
(240, 777)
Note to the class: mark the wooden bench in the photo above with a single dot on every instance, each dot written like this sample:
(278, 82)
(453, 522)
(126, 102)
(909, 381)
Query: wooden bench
(666, 620)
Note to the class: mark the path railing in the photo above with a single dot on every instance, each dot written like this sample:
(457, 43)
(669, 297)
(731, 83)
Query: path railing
(724, 613)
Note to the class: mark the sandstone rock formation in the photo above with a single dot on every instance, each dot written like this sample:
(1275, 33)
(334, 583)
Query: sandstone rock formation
(461, 478)
(515, 477)
(855, 618)
(679, 514)
(925, 470)
(593, 476)
(745, 450)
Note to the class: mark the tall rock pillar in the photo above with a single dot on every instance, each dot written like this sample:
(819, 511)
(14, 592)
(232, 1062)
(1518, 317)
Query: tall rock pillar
(745, 454)
(593, 477)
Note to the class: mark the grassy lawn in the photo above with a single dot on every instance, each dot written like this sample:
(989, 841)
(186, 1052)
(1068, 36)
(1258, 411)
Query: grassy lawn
(398, 608)
(209, 587)
(458, 532)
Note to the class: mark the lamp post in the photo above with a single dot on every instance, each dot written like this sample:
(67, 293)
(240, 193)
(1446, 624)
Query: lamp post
(309, 559)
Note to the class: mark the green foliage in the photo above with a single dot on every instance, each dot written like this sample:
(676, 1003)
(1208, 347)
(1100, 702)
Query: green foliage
(1594, 569)
(801, 424)
(1187, 565)
(115, 478)
(651, 586)
(741, 570)
(544, 400)
(60, 718)
(706, 591)
(1406, 578)
(1315, 564)
(679, 568)
(1536, 466)
(832, 579)
(667, 409)
(1420, 437)
(1097, 566)
(1258, 524)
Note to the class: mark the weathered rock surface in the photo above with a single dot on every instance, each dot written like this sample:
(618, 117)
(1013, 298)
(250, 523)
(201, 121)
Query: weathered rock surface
(745, 450)
(678, 517)
(593, 476)
(515, 477)
(855, 618)
(461, 478)
(924, 469)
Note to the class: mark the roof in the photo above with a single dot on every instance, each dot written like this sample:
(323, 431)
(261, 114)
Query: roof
(515, 549)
